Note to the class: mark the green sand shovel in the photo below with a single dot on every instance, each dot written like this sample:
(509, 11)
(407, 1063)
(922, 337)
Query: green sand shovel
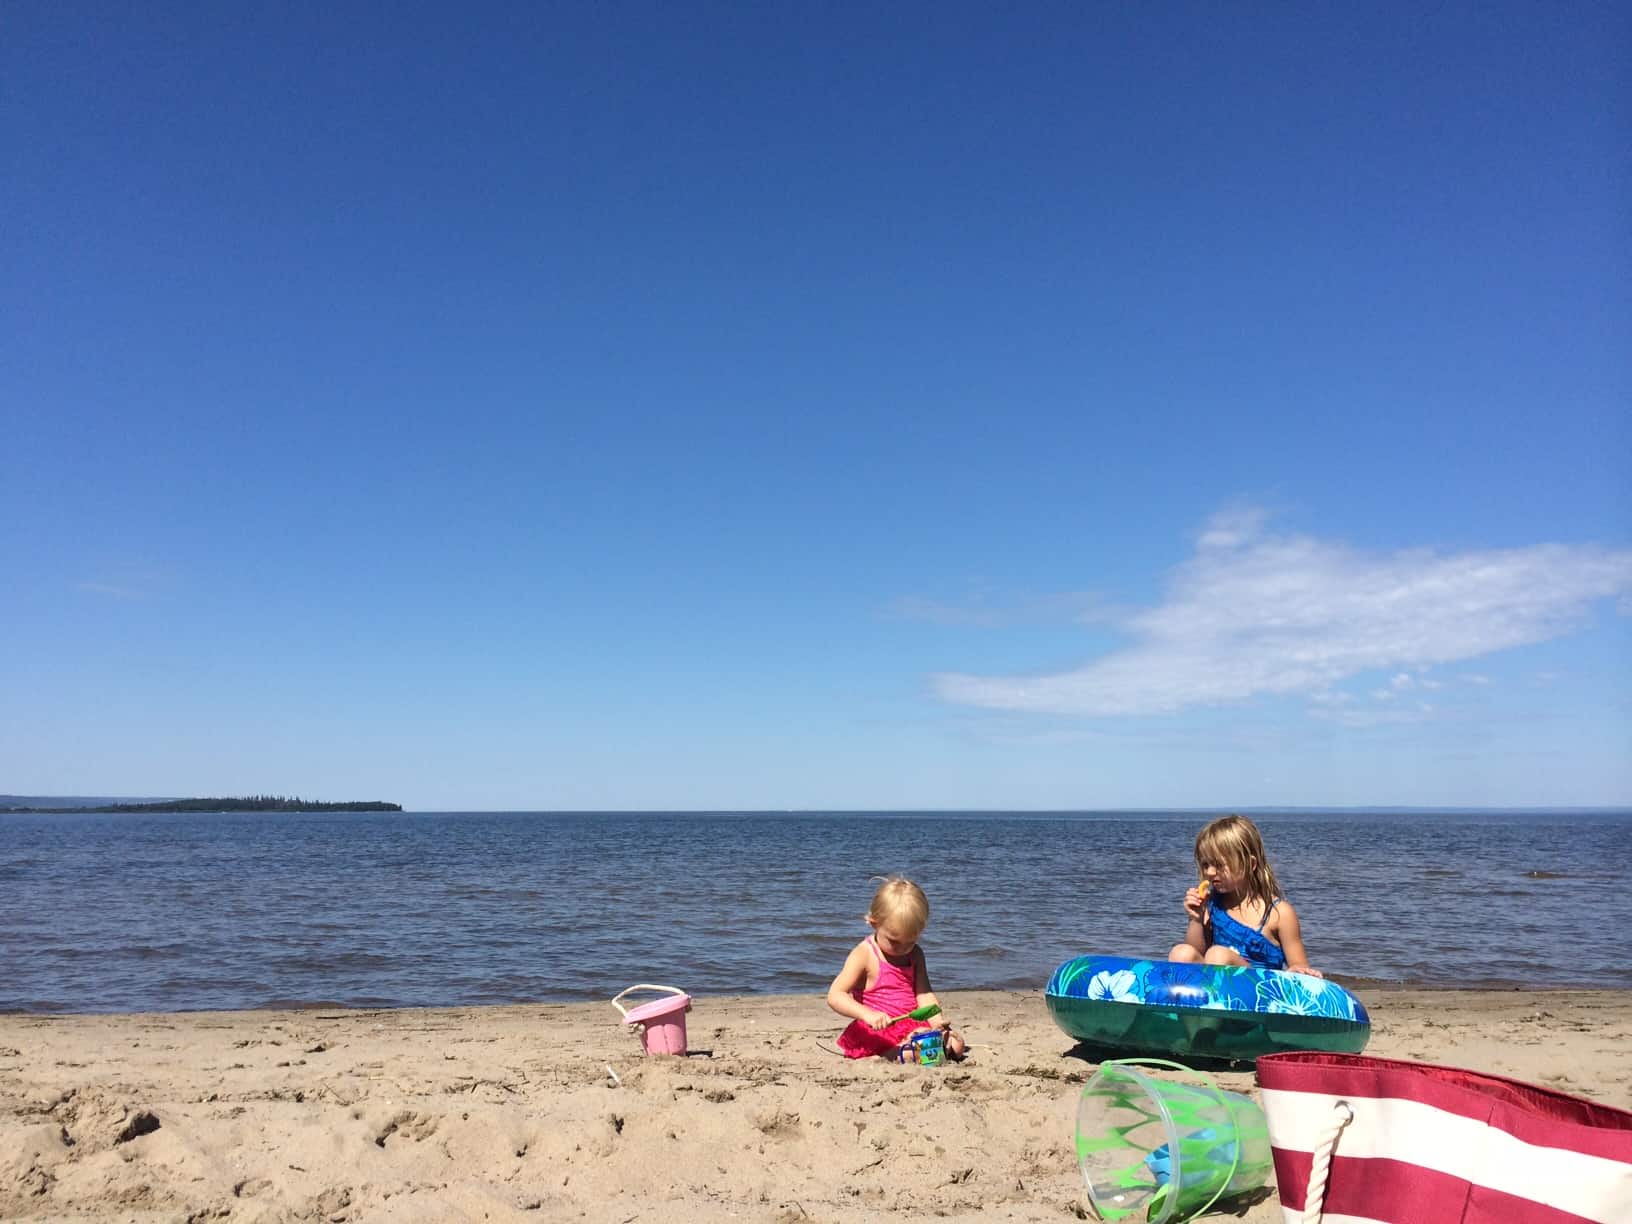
(918, 1013)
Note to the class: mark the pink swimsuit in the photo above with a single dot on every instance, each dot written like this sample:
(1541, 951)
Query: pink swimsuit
(895, 993)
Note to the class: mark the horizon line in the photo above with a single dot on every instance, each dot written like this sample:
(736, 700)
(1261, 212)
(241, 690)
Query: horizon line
(1145, 809)
(1612, 808)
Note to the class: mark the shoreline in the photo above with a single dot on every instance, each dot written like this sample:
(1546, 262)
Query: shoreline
(1360, 986)
(508, 1112)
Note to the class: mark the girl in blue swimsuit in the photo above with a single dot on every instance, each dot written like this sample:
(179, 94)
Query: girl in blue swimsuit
(1237, 914)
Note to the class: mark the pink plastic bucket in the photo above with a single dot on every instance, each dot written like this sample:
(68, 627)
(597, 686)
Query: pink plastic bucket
(662, 1021)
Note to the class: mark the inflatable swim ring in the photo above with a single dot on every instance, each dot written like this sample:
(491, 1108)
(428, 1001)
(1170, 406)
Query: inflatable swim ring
(1208, 1011)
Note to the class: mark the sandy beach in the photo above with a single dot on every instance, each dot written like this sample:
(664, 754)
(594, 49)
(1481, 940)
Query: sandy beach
(510, 1113)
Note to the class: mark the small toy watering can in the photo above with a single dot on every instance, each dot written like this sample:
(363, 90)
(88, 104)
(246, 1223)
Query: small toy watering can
(662, 1021)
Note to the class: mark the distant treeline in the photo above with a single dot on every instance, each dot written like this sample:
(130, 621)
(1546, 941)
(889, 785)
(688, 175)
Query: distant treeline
(254, 803)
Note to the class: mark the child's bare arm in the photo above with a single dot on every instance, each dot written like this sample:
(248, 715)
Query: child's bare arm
(926, 992)
(1195, 908)
(1289, 932)
(841, 995)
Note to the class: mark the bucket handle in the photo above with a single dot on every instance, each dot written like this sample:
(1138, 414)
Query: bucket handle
(1218, 1093)
(624, 1011)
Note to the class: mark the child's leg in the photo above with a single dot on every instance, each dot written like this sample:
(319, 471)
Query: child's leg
(1218, 954)
(1185, 954)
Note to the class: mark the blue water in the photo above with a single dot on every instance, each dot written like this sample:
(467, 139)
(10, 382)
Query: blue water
(162, 913)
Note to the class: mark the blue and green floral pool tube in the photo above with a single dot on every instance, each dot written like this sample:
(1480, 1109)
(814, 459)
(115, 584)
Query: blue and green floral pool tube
(1204, 1011)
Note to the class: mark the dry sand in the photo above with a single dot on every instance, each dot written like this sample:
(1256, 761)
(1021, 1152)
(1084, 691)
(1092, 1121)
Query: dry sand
(508, 1113)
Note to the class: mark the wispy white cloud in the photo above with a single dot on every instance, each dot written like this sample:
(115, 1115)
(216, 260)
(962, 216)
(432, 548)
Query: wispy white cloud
(1403, 683)
(1254, 613)
(1373, 716)
(1232, 528)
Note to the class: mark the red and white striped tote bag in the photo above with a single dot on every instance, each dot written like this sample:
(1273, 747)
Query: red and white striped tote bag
(1361, 1140)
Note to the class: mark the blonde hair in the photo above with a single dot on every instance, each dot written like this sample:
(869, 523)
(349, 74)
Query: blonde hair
(1234, 842)
(899, 899)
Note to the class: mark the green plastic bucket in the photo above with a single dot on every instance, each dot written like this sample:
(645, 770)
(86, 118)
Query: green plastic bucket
(1164, 1151)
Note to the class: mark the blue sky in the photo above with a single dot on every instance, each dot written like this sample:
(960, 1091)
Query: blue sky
(810, 406)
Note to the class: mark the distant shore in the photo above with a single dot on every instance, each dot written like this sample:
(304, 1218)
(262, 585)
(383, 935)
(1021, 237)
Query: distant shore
(213, 805)
(541, 1112)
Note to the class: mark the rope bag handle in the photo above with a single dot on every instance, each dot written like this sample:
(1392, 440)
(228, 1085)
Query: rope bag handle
(1314, 1199)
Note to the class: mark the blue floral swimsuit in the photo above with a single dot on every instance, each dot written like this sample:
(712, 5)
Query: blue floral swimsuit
(1259, 949)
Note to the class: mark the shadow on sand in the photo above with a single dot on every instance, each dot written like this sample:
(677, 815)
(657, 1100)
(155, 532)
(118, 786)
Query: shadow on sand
(1088, 1052)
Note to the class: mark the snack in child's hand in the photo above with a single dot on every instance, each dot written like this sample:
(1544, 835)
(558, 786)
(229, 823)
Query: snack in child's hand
(1204, 888)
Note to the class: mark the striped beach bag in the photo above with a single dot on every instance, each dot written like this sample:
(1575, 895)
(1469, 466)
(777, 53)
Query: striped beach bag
(1360, 1140)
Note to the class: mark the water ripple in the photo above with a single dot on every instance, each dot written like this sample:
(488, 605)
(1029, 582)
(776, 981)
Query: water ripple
(110, 913)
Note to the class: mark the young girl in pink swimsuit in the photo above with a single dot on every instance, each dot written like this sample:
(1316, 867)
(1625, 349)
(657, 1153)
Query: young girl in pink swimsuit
(885, 976)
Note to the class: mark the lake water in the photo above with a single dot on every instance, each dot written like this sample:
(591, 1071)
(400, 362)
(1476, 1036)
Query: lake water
(166, 913)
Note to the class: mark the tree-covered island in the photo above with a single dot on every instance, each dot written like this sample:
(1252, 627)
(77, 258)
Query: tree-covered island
(254, 803)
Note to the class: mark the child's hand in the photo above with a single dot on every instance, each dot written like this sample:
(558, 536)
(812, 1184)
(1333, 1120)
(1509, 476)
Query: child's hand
(1195, 903)
(1307, 970)
(875, 1019)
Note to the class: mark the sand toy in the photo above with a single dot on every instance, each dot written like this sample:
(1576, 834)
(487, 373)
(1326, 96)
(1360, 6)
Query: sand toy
(662, 1021)
(1163, 1151)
